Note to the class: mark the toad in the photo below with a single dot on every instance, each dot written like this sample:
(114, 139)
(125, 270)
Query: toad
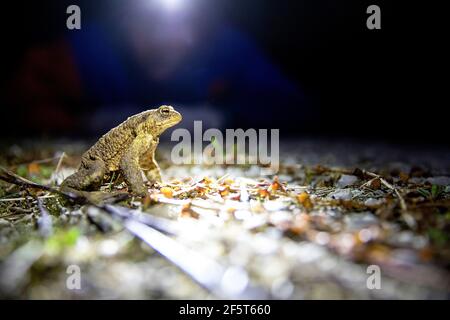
(128, 148)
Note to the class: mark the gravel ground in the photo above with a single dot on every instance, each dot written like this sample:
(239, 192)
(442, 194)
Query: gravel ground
(311, 232)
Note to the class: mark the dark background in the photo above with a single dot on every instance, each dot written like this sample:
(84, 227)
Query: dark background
(309, 68)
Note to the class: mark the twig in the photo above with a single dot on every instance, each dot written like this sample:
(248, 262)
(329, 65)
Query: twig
(45, 220)
(37, 161)
(409, 220)
(188, 189)
(222, 177)
(15, 267)
(11, 177)
(20, 210)
(389, 186)
(58, 166)
(27, 198)
(207, 272)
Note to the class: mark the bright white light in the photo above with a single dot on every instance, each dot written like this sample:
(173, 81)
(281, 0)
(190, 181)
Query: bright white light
(234, 281)
(108, 247)
(172, 5)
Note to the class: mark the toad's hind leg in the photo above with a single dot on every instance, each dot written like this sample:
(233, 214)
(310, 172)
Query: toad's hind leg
(88, 177)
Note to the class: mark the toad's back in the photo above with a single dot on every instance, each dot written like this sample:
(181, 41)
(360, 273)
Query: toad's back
(112, 145)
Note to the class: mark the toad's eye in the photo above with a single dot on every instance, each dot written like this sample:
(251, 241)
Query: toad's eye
(164, 111)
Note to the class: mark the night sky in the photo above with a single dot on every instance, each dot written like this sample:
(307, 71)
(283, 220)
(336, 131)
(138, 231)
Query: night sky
(309, 68)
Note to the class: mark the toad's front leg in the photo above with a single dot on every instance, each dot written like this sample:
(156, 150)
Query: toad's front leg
(153, 174)
(150, 166)
(129, 164)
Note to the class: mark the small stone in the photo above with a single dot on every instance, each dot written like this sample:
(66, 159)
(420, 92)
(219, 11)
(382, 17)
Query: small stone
(4, 223)
(341, 194)
(357, 221)
(275, 205)
(372, 202)
(346, 180)
(333, 213)
(407, 239)
(279, 217)
(440, 181)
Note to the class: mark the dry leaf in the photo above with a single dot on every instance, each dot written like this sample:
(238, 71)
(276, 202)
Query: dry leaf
(187, 212)
(404, 177)
(149, 200)
(305, 200)
(224, 191)
(263, 193)
(276, 185)
(167, 192)
(375, 184)
(33, 168)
